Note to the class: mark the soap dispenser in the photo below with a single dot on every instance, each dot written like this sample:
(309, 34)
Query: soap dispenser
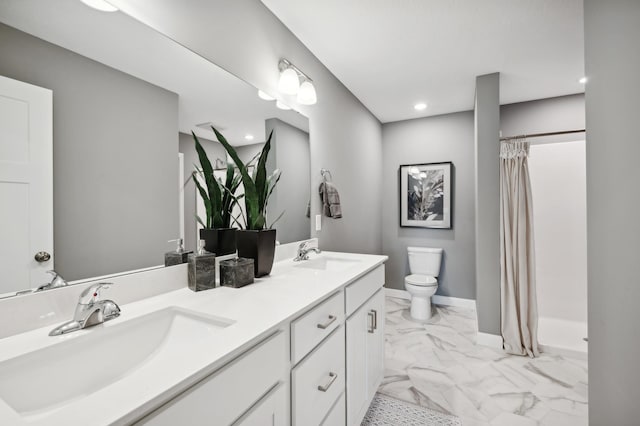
(202, 269)
(178, 256)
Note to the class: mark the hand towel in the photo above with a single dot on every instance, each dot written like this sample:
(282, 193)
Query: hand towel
(330, 200)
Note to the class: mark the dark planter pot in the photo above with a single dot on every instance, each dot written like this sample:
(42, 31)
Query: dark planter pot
(219, 241)
(259, 246)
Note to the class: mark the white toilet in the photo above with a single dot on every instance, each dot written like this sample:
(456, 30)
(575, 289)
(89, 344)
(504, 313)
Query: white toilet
(424, 264)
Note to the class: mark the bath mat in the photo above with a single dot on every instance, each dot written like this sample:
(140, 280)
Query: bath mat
(386, 411)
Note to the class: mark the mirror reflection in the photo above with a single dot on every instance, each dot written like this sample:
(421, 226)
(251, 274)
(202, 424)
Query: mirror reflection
(111, 143)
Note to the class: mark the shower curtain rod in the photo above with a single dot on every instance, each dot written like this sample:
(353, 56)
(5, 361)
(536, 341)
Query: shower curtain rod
(537, 135)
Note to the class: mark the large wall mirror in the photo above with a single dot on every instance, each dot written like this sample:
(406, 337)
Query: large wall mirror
(125, 101)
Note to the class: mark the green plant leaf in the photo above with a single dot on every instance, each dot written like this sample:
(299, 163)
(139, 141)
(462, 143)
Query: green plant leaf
(277, 219)
(214, 215)
(251, 196)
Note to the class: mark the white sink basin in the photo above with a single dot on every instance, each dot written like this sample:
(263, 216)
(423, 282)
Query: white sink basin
(80, 365)
(327, 263)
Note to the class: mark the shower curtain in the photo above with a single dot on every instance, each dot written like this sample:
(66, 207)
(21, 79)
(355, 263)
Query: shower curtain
(519, 319)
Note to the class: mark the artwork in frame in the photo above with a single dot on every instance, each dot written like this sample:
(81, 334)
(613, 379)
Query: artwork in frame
(425, 195)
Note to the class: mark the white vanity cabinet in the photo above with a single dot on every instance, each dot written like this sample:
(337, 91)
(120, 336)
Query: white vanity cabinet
(246, 391)
(365, 346)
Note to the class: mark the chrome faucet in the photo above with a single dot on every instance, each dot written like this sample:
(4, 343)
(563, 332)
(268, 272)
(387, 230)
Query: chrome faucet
(89, 311)
(56, 281)
(303, 251)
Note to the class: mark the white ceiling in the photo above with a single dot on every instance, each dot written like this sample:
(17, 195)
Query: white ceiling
(394, 53)
(206, 92)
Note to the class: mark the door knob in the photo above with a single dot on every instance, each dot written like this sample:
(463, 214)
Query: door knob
(42, 256)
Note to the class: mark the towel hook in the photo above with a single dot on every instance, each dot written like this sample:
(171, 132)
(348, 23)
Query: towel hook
(324, 173)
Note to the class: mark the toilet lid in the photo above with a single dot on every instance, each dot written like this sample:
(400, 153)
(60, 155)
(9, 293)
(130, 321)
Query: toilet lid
(423, 280)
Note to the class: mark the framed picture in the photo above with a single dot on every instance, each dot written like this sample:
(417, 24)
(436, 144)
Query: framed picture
(425, 195)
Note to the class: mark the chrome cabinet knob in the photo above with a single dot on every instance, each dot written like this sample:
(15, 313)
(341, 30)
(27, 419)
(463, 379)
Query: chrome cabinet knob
(42, 256)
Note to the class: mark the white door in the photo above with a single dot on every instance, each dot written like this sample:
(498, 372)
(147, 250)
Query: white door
(26, 184)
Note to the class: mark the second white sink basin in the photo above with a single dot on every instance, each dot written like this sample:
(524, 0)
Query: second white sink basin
(327, 263)
(80, 365)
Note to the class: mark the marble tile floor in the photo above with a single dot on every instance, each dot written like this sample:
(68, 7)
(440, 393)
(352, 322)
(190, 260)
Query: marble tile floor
(439, 366)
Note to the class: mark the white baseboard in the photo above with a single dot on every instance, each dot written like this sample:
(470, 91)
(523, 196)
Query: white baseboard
(489, 340)
(569, 353)
(435, 299)
(453, 301)
(394, 292)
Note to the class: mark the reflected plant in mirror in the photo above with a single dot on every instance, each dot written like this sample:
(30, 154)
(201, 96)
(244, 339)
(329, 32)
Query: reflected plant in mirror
(219, 200)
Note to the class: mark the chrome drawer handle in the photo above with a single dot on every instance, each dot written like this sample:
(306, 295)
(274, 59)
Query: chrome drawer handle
(375, 319)
(328, 323)
(371, 327)
(332, 378)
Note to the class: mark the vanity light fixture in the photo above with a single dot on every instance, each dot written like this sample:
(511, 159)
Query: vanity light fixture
(265, 96)
(282, 105)
(307, 94)
(289, 83)
(583, 80)
(421, 106)
(100, 5)
(248, 137)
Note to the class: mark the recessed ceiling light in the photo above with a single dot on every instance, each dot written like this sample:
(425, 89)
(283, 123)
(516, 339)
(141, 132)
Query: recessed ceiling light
(583, 80)
(420, 106)
(100, 5)
(265, 96)
(248, 137)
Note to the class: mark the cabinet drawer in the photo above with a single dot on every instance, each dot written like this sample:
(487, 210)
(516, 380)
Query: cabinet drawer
(226, 394)
(363, 288)
(309, 329)
(318, 381)
(337, 415)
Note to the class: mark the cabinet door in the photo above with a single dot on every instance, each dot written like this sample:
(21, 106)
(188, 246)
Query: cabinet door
(270, 411)
(357, 390)
(375, 343)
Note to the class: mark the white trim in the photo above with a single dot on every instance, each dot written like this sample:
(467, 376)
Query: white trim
(399, 294)
(490, 340)
(435, 299)
(453, 301)
(569, 353)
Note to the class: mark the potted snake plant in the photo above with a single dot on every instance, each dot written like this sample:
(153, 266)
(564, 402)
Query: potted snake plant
(257, 240)
(218, 198)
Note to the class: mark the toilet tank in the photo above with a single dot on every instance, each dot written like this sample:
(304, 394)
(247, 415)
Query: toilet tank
(425, 260)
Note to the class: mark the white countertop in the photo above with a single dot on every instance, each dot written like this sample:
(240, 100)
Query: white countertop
(257, 309)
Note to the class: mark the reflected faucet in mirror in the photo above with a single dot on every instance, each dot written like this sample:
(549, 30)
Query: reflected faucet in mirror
(56, 281)
(89, 311)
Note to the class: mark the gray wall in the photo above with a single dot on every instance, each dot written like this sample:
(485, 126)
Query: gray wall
(429, 140)
(612, 57)
(544, 115)
(115, 146)
(487, 143)
(344, 136)
(187, 147)
(290, 147)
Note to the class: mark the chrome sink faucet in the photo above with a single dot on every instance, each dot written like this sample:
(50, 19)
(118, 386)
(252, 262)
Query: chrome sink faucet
(90, 310)
(303, 251)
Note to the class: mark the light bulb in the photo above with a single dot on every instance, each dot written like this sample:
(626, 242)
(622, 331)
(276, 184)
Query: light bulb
(248, 137)
(100, 5)
(420, 106)
(307, 94)
(583, 80)
(289, 83)
(265, 96)
(282, 105)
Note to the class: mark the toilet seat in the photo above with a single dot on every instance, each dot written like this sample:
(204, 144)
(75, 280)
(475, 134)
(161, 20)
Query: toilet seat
(421, 280)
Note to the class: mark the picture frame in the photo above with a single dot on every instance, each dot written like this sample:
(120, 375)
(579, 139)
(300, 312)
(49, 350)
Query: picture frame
(425, 195)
